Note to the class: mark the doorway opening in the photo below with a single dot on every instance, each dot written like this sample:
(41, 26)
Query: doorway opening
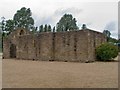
(13, 51)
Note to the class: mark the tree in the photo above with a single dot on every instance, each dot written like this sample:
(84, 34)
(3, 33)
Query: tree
(54, 29)
(34, 30)
(49, 28)
(107, 34)
(41, 28)
(106, 51)
(67, 22)
(2, 24)
(9, 27)
(23, 18)
(2, 33)
(2, 27)
(113, 40)
(45, 28)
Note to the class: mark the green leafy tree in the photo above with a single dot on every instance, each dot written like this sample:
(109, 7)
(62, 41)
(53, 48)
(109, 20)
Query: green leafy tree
(1, 42)
(1, 37)
(67, 22)
(54, 29)
(9, 27)
(45, 28)
(2, 24)
(2, 27)
(107, 34)
(23, 18)
(34, 30)
(118, 44)
(113, 40)
(49, 28)
(2, 32)
(41, 29)
(106, 52)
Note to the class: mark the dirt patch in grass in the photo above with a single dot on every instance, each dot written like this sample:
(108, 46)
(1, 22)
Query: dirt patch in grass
(43, 74)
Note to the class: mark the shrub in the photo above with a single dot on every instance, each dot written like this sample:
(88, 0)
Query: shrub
(118, 48)
(106, 52)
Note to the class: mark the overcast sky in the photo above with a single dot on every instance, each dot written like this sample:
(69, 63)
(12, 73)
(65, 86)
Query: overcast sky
(96, 15)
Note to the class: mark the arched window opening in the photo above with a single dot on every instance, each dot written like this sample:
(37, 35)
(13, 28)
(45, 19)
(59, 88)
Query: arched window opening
(22, 32)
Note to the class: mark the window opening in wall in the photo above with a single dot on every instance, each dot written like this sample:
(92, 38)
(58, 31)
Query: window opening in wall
(21, 32)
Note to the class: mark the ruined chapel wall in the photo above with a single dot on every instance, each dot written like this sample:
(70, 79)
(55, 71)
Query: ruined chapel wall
(31, 47)
(44, 48)
(35, 47)
(94, 40)
(26, 48)
(6, 48)
(7, 42)
(22, 47)
(59, 46)
(13, 40)
(82, 46)
(71, 46)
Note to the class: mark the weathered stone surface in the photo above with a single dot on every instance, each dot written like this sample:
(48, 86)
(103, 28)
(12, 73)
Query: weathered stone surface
(59, 46)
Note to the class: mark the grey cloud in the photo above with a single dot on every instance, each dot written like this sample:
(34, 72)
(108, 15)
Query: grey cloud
(44, 20)
(111, 26)
(73, 10)
(87, 24)
(54, 18)
(115, 35)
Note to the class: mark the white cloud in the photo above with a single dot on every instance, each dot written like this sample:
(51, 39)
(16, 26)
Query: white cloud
(95, 14)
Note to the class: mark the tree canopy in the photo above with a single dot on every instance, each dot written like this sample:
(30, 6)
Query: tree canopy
(67, 22)
(107, 34)
(23, 18)
(41, 28)
(45, 28)
(9, 27)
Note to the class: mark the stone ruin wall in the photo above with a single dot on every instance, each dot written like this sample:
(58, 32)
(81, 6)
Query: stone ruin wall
(61, 46)
(71, 46)
(6, 48)
(11, 39)
(35, 47)
(94, 40)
